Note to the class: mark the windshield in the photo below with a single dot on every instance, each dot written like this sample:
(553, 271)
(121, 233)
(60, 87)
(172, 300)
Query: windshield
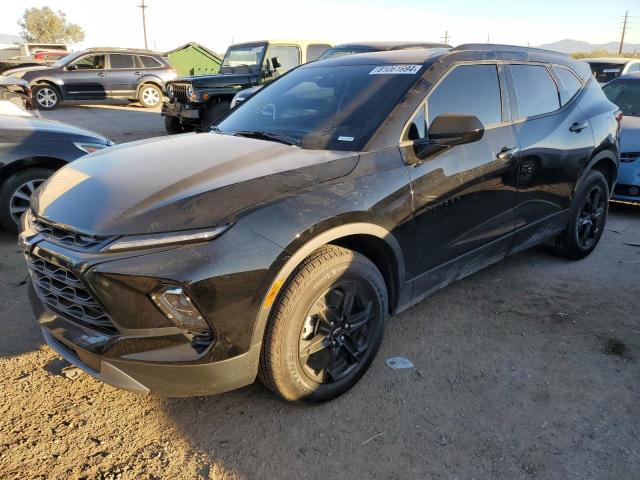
(625, 94)
(340, 52)
(244, 56)
(605, 72)
(332, 108)
(66, 59)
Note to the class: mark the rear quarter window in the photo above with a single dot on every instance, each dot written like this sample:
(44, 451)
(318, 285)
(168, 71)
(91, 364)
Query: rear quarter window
(570, 82)
(536, 91)
(149, 62)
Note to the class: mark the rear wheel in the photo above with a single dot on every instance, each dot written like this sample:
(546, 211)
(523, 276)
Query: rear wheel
(588, 218)
(46, 97)
(150, 95)
(15, 195)
(325, 328)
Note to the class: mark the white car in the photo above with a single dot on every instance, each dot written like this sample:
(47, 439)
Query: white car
(8, 107)
(607, 69)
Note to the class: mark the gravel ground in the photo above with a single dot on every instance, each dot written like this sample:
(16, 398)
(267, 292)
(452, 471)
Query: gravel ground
(526, 370)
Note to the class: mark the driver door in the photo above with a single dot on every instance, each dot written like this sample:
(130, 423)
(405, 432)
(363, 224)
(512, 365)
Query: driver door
(463, 196)
(86, 78)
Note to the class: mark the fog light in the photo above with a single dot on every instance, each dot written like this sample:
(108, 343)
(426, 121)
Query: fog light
(634, 190)
(178, 307)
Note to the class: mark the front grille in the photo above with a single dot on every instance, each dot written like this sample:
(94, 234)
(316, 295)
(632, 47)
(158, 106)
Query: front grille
(629, 156)
(66, 295)
(66, 238)
(180, 92)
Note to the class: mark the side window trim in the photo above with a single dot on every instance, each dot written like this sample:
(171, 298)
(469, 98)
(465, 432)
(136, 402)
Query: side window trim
(506, 107)
(90, 55)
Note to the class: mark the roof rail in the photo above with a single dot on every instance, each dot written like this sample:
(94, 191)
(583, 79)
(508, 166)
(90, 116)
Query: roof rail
(505, 48)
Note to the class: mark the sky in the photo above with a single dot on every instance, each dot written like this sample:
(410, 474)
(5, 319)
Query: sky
(171, 23)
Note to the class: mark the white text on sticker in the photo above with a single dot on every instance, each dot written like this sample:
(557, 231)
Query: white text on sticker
(395, 70)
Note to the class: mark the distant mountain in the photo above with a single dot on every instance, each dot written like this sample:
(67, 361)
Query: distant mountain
(575, 46)
(9, 39)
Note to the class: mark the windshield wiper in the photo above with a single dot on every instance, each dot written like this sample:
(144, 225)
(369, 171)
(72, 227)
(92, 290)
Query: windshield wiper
(274, 137)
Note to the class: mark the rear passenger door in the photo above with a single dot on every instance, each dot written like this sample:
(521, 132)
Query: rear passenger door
(124, 73)
(555, 141)
(463, 196)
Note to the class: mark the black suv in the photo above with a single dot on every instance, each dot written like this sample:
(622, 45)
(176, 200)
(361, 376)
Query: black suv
(339, 194)
(98, 74)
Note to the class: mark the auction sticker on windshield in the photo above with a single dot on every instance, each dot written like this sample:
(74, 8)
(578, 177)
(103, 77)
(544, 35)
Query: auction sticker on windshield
(395, 70)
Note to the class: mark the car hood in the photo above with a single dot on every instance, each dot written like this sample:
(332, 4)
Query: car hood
(34, 68)
(10, 81)
(26, 127)
(220, 80)
(181, 182)
(630, 134)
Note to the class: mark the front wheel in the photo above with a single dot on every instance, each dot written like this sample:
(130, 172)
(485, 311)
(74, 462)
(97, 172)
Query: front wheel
(325, 328)
(46, 97)
(588, 218)
(150, 95)
(15, 195)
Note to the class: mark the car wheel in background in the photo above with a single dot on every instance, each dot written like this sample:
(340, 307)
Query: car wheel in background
(150, 95)
(46, 97)
(588, 218)
(15, 195)
(213, 112)
(325, 327)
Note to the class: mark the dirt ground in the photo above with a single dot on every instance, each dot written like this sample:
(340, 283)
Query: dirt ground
(529, 369)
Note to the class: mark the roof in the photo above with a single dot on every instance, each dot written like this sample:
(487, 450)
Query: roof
(629, 76)
(386, 57)
(120, 50)
(392, 45)
(619, 60)
(193, 45)
(286, 41)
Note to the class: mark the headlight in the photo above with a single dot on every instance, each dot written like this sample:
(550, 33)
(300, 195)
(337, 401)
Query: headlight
(163, 239)
(170, 91)
(178, 307)
(90, 147)
(190, 93)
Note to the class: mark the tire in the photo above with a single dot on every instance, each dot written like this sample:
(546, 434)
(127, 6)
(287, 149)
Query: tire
(212, 113)
(300, 319)
(173, 126)
(588, 218)
(46, 97)
(150, 95)
(13, 193)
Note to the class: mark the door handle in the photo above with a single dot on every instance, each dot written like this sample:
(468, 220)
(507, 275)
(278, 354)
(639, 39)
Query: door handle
(101, 74)
(507, 152)
(137, 73)
(578, 126)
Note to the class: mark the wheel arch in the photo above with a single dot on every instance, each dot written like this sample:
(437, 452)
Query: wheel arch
(150, 80)
(373, 241)
(30, 162)
(605, 161)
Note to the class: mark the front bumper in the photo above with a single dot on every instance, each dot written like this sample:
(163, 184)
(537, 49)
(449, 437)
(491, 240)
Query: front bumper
(78, 346)
(183, 111)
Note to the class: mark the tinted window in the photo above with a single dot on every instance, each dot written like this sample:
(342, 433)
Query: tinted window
(90, 62)
(625, 93)
(121, 61)
(471, 89)
(149, 62)
(334, 108)
(288, 57)
(634, 67)
(418, 126)
(314, 51)
(536, 91)
(605, 72)
(570, 83)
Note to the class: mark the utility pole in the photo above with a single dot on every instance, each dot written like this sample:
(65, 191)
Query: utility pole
(143, 7)
(624, 30)
(446, 37)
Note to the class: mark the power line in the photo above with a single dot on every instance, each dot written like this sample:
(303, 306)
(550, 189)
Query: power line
(143, 7)
(446, 37)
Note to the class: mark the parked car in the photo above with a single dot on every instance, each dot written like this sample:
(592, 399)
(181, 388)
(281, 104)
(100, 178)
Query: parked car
(30, 54)
(345, 191)
(98, 74)
(196, 102)
(31, 149)
(625, 93)
(349, 49)
(16, 91)
(607, 69)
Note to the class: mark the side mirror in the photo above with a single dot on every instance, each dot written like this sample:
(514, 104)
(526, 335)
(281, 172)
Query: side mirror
(450, 129)
(72, 67)
(275, 62)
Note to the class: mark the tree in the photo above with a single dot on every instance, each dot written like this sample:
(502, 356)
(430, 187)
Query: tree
(43, 25)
